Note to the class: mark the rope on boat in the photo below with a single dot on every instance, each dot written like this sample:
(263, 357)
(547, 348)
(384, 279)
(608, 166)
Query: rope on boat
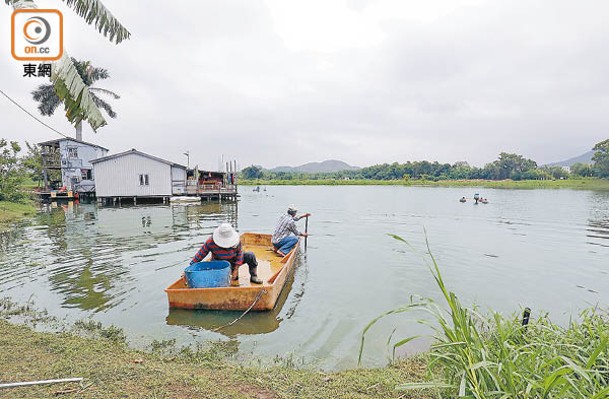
(260, 293)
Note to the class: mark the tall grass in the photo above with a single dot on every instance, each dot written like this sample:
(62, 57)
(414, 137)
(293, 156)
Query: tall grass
(477, 356)
(13, 212)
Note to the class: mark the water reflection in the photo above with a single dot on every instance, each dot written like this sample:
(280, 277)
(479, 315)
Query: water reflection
(87, 288)
(8, 237)
(598, 223)
(95, 256)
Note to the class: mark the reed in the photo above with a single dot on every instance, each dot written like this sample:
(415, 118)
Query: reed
(493, 356)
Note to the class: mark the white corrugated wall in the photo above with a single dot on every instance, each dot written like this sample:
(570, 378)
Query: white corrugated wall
(120, 177)
(178, 180)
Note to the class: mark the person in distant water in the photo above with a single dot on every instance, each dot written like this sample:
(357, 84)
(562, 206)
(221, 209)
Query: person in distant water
(286, 234)
(225, 244)
(463, 199)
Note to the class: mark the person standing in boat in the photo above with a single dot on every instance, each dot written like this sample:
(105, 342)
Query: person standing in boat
(286, 233)
(225, 244)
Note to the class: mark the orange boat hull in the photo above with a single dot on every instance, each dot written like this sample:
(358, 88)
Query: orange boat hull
(272, 269)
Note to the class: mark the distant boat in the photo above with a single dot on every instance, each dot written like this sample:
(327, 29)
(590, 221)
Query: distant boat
(272, 269)
(184, 198)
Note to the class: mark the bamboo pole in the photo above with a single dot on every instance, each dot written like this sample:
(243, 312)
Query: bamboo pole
(28, 383)
(306, 231)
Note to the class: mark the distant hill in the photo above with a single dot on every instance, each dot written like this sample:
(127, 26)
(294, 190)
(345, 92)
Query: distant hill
(329, 166)
(584, 158)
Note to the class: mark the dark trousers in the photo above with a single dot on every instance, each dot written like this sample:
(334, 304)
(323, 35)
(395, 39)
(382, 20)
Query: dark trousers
(252, 263)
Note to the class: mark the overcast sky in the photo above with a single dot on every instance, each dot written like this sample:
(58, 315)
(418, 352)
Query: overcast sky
(284, 83)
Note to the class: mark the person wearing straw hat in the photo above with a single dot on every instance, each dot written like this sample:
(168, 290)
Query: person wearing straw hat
(225, 244)
(286, 233)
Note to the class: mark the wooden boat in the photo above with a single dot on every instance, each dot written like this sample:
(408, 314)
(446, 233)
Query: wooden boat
(273, 269)
(254, 323)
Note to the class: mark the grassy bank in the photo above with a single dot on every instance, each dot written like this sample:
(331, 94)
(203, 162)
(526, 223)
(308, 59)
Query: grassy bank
(112, 370)
(29, 184)
(578, 184)
(11, 212)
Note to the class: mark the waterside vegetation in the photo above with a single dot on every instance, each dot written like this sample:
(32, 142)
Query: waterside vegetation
(576, 183)
(478, 356)
(14, 181)
(11, 213)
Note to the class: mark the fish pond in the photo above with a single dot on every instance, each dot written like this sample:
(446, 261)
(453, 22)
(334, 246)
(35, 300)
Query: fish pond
(545, 249)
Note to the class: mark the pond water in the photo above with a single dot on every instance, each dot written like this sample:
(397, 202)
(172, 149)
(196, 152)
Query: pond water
(546, 249)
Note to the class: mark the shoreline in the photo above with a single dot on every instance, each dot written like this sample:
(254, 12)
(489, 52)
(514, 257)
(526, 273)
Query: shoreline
(112, 369)
(574, 184)
(12, 213)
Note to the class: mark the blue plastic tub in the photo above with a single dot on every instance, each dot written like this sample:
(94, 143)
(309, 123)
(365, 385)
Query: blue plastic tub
(215, 273)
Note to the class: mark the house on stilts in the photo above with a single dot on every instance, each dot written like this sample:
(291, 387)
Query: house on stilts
(67, 167)
(137, 177)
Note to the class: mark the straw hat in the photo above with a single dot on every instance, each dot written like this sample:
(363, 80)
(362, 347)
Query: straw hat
(225, 236)
(292, 208)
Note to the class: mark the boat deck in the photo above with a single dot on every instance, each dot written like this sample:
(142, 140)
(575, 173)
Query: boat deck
(269, 264)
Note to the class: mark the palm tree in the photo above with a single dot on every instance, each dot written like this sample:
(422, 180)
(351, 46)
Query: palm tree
(68, 85)
(49, 101)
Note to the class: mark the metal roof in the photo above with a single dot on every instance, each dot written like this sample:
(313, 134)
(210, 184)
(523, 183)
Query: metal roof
(134, 151)
(56, 142)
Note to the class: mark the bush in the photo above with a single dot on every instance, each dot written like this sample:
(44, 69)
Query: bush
(11, 176)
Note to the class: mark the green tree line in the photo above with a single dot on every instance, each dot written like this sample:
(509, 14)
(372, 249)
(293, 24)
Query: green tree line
(17, 168)
(506, 166)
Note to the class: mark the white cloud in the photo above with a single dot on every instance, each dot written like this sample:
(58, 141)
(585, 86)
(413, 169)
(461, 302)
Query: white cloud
(284, 82)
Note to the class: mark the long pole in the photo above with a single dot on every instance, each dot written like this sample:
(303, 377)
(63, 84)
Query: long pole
(306, 231)
(23, 384)
(44, 168)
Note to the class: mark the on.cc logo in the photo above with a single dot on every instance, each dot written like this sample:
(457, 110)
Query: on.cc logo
(37, 30)
(37, 35)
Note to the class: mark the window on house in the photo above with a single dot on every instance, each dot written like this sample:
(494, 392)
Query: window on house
(72, 152)
(86, 174)
(144, 181)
